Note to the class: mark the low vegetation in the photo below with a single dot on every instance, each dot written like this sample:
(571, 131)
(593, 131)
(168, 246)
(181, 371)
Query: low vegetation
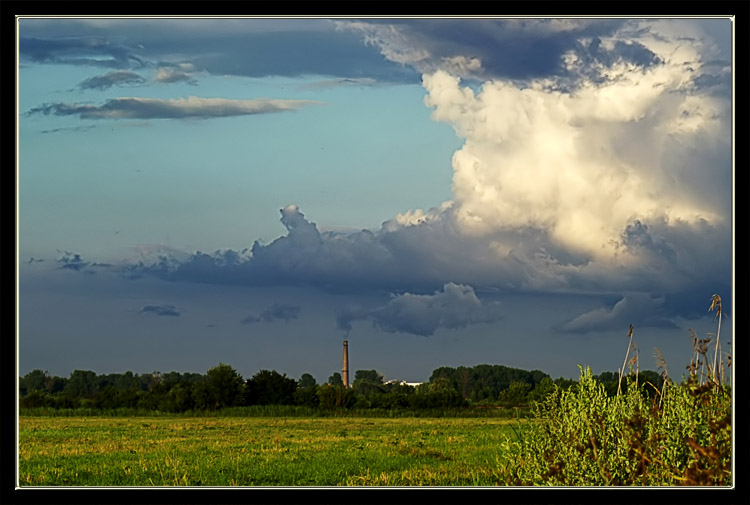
(676, 434)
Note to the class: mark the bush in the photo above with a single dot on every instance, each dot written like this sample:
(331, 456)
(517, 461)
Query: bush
(583, 437)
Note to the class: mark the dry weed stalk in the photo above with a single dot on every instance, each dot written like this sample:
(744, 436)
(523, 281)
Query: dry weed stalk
(625, 362)
(661, 364)
(716, 305)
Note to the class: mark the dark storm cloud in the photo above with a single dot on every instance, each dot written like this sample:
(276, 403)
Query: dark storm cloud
(161, 310)
(154, 108)
(237, 47)
(530, 48)
(296, 54)
(113, 78)
(423, 256)
(638, 236)
(426, 256)
(456, 306)
(274, 312)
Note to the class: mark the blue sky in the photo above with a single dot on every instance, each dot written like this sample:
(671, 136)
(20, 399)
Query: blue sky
(440, 192)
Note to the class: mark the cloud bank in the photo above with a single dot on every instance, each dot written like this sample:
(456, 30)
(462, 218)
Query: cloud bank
(456, 306)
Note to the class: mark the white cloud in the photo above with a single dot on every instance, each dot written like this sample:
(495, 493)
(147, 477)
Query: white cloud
(584, 163)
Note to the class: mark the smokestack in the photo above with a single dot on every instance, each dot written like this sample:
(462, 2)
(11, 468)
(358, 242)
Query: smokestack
(345, 370)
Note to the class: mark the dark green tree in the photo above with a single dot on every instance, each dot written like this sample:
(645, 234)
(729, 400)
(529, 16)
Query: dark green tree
(225, 386)
(200, 395)
(335, 397)
(441, 384)
(307, 381)
(369, 375)
(517, 393)
(269, 387)
(82, 384)
(335, 379)
(35, 380)
(545, 387)
(178, 399)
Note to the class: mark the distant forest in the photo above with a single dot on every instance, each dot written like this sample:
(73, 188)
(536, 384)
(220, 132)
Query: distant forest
(480, 386)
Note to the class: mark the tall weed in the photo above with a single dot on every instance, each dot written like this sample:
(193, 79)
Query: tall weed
(582, 437)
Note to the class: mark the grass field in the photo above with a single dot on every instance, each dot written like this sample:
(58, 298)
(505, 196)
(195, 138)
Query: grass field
(151, 451)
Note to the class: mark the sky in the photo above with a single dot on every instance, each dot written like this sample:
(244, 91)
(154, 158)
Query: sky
(436, 191)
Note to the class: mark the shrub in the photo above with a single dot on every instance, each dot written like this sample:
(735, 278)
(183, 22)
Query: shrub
(583, 437)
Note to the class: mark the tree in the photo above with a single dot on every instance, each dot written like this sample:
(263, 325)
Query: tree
(545, 387)
(178, 399)
(33, 381)
(517, 393)
(335, 397)
(82, 384)
(441, 384)
(225, 386)
(307, 381)
(335, 379)
(368, 375)
(270, 388)
(368, 383)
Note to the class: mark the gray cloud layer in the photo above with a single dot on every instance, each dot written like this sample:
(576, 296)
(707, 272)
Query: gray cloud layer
(293, 48)
(646, 309)
(88, 50)
(275, 312)
(456, 306)
(427, 256)
(154, 108)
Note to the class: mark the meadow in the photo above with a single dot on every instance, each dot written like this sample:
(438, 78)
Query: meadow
(230, 451)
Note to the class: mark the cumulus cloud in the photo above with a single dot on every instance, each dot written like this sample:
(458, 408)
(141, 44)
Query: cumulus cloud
(161, 310)
(274, 312)
(456, 306)
(113, 78)
(584, 165)
(155, 108)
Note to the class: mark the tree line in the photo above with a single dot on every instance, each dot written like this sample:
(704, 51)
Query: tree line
(222, 386)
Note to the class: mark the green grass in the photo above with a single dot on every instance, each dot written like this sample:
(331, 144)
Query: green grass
(230, 451)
